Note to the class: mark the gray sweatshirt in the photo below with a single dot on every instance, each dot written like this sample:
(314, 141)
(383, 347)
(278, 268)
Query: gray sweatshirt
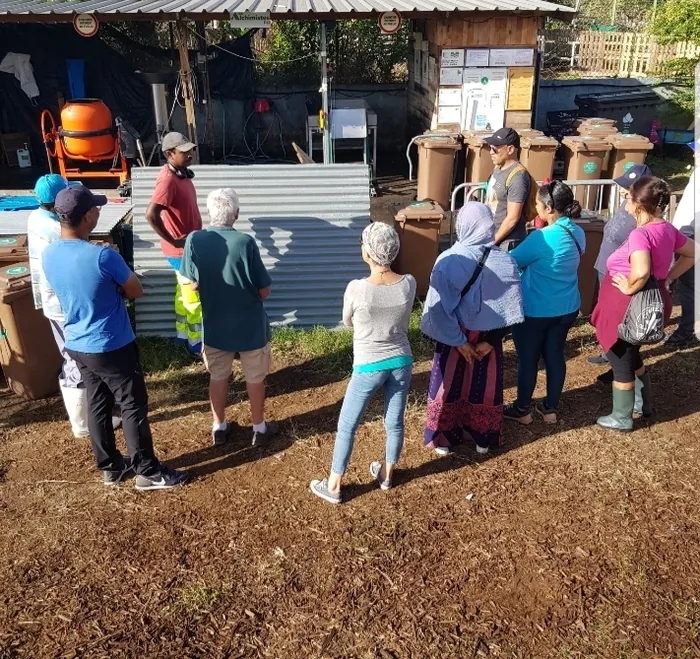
(379, 315)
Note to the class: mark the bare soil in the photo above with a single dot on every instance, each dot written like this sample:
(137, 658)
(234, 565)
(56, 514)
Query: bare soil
(567, 542)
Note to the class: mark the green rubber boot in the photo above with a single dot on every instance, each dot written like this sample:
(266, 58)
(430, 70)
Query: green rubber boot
(621, 416)
(642, 396)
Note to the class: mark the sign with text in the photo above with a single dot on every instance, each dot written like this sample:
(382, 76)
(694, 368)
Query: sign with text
(250, 19)
(86, 25)
(389, 22)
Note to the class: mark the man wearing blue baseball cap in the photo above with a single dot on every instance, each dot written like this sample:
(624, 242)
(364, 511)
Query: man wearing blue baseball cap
(43, 228)
(616, 231)
(91, 282)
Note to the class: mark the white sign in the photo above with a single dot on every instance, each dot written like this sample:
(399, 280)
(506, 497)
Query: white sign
(250, 19)
(452, 57)
(511, 57)
(451, 76)
(450, 96)
(449, 115)
(348, 123)
(477, 57)
(86, 25)
(389, 22)
(484, 99)
(417, 66)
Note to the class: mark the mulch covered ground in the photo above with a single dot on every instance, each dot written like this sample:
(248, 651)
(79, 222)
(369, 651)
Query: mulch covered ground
(567, 542)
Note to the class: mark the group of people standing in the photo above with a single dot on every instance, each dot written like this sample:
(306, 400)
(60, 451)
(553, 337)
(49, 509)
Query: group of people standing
(491, 282)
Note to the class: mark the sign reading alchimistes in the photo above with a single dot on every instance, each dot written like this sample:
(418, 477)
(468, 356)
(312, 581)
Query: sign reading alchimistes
(250, 19)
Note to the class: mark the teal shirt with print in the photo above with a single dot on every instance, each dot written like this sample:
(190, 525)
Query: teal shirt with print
(229, 270)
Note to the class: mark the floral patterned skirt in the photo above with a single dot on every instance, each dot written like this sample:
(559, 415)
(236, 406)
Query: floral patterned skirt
(465, 401)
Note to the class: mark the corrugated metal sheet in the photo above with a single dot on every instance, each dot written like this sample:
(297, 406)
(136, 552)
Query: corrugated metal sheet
(307, 220)
(224, 8)
(14, 222)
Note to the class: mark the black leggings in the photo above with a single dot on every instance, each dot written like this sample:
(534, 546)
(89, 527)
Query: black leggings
(625, 360)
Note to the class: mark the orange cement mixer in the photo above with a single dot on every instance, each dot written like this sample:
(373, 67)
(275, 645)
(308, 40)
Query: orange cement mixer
(86, 133)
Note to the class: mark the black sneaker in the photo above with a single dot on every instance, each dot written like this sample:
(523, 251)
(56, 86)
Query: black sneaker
(165, 479)
(606, 378)
(514, 413)
(260, 438)
(679, 340)
(220, 437)
(111, 477)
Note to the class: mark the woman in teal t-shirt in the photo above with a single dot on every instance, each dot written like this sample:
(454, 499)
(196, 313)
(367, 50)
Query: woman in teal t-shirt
(548, 260)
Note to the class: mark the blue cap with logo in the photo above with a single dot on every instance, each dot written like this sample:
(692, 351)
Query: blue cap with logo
(47, 188)
(631, 175)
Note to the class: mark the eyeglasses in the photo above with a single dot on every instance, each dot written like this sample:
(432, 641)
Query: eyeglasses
(494, 149)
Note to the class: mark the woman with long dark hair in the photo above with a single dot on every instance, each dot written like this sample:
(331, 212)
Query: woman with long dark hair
(649, 250)
(548, 260)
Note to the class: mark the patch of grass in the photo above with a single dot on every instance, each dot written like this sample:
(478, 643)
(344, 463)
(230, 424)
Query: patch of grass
(200, 599)
(165, 358)
(673, 169)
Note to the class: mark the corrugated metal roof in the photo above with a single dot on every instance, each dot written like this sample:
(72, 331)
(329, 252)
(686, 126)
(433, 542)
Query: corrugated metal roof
(15, 222)
(224, 8)
(307, 220)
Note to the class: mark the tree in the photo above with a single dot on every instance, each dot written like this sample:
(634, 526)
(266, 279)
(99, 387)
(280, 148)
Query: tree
(678, 21)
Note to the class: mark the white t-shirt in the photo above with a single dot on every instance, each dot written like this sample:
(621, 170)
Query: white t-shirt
(43, 228)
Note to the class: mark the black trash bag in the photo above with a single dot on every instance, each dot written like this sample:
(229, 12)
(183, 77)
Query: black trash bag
(643, 322)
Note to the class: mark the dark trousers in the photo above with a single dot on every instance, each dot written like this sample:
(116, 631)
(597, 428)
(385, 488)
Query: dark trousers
(546, 338)
(686, 295)
(111, 376)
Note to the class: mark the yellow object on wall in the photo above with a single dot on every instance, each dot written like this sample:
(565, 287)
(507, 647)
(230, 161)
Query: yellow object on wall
(521, 82)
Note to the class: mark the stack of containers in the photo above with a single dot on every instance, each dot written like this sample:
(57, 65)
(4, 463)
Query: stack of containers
(436, 161)
(585, 158)
(479, 166)
(537, 153)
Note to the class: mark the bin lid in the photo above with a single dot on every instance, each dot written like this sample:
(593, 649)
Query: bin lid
(623, 141)
(585, 143)
(13, 278)
(535, 141)
(476, 137)
(451, 130)
(13, 245)
(421, 210)
(620, 99)
(439, 141)
(528, 132)
(594, 120)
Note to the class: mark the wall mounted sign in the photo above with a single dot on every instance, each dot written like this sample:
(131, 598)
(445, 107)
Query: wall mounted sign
(389, 22)
(86, 25)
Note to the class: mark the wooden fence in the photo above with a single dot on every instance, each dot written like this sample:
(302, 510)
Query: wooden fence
(614, 54)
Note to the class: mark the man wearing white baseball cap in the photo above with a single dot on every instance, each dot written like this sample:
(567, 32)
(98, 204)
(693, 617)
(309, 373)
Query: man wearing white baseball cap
(174, 214)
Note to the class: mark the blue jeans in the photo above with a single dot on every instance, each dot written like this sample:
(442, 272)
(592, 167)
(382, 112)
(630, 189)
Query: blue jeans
(542, 337)
(361, 388)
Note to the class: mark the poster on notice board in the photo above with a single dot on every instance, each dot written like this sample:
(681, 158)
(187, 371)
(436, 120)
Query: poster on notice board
(484, 98)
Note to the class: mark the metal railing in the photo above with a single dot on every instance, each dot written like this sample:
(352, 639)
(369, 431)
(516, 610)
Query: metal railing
(413, 141)
(606, 196)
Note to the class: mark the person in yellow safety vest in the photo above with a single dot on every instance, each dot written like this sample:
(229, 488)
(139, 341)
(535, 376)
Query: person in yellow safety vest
(173, 214)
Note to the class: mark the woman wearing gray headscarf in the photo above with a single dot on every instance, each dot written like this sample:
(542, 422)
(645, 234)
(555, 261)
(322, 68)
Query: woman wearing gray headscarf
(378, 309)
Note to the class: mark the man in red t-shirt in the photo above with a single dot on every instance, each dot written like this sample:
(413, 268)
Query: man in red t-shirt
(173, 214)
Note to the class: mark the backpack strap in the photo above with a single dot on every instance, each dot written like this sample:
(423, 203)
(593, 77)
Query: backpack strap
(477, 271)
(571, 233)
(516, 170)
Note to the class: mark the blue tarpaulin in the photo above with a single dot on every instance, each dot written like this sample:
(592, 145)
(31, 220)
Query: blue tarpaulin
(24, 203)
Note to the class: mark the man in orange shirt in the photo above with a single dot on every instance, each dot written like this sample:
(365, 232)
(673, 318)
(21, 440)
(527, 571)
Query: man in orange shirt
(173, 214)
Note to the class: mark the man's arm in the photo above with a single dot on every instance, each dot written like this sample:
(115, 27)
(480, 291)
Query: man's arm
(513, 212)
(132, 287)
(153, 217)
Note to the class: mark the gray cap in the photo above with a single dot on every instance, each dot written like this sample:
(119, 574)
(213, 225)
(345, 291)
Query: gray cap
(177, 141)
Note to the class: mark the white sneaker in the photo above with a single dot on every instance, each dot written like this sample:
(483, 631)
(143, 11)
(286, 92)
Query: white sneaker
(482, 450)
(442, 451)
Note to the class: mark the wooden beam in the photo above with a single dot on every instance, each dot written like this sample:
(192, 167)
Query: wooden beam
(185, 77)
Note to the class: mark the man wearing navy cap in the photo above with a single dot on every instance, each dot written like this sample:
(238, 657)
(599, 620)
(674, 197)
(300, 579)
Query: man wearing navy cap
(90, 282)
(43, 228)
(616, 231)
(508, 189)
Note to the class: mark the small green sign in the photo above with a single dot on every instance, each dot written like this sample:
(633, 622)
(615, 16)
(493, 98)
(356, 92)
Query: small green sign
(17, 270)
(629, 165)
(589, 167)
(484, 81)
(8, 241)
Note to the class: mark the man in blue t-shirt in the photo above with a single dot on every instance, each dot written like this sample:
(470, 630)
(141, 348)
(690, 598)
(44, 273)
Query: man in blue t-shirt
(225, 266)
(90, 282)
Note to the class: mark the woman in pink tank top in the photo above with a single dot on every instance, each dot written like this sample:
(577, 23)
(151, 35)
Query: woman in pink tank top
(650, 249)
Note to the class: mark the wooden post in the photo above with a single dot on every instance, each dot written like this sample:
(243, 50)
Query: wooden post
(206, 92)
(185, 77)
